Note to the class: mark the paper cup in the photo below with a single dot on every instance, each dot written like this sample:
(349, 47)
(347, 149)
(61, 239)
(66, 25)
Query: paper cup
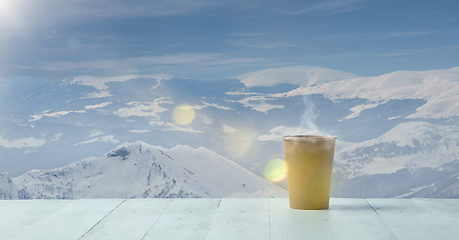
(309, 165)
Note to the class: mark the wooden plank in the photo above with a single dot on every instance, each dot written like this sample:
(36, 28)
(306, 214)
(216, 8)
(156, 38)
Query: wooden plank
(184, 219)
(346, 218)
(8, 205)
(408, 219)
(440, 206)
(130, 220)
(447, 211)
(228, 219)
(287, 224)
(351, 218)
(61, 219)
(26, 216)
(241, 219)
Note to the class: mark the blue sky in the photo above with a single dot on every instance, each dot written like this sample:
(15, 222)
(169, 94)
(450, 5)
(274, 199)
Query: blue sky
(205, 39)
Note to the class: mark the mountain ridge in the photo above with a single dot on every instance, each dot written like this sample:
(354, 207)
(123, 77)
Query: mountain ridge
(139, 170)
(244, 123)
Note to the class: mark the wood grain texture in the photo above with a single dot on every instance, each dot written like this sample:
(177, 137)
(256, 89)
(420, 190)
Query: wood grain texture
(8, 205)
(408, 219)
(286, 223)
(228, 218)
(447, 213)
(185, 218)
(351, 218)
(51, 219)
(130, 220)
(241, 219)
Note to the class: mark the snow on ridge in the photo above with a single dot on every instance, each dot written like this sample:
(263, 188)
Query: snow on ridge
(411, 145)
(138, 131)
(107, 138)
(173, 127)
(143, 109)
(37, 117)
(99, 82)
(8, 190)
(438, 87)
(100, 105)
(300, 75)
(358, 109)
(23, 142)
(257, 101)
(405, 133)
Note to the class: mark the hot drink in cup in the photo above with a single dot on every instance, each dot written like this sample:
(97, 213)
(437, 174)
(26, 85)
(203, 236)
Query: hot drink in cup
(309, 165)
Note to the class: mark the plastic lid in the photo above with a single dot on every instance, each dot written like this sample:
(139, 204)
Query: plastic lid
(309, 138)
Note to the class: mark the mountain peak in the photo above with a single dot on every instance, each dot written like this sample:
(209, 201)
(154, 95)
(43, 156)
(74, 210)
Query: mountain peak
(8, 190)
(144, 171)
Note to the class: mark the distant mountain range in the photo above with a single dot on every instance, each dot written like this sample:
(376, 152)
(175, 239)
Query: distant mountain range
(139, 170)
(396, 132)
(414, 159)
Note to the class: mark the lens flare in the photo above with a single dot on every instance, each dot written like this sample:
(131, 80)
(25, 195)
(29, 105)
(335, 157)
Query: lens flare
(183, 114)
(274, 170)
(238, 142)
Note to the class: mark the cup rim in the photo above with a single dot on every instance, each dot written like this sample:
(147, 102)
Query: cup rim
(309, 138)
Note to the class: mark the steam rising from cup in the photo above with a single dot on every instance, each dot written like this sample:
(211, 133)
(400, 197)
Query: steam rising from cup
(307, 125)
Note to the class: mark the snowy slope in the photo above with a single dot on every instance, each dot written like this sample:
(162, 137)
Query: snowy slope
(411, 157)
(139, 170)
(444, 188)
(397, 125)
(440, 88)
(8, 190)
(299, 75)
(411, 145)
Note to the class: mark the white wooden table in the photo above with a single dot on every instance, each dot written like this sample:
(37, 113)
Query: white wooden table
(228, 218)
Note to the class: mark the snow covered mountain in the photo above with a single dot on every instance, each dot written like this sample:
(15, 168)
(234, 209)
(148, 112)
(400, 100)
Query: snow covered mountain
(410, 157)
(139, 170)
(299, 75)
(8, 190)
(396, 131)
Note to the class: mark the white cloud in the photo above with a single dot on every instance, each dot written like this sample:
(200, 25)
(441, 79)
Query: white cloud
(99, 82)
(173, 127)
(200, 59)
(101, 105)
(138, 131)
(257, 44)
(36, 117)
(231, 61)
(142, 109)
(108, 138)
(255, 40)
(405, 34)
(248, 34)
(127, 62)
(95, 133)
(331, 7)
(408, 52)
(228, 129)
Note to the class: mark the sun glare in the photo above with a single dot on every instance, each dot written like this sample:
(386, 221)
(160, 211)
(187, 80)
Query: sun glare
(9, 11)
(183, 114)
(238, 142)
(274, 170)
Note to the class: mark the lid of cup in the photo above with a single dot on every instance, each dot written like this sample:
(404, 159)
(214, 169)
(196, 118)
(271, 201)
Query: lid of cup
(309, 138)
